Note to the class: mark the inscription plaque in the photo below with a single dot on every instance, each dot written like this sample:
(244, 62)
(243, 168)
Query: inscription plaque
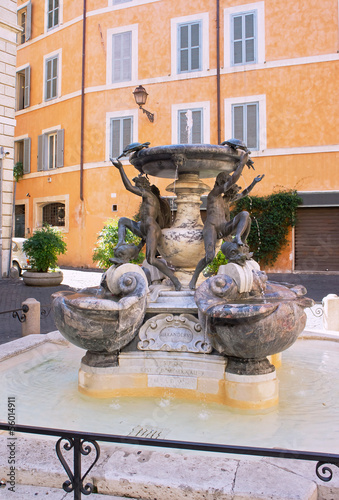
(166, 332)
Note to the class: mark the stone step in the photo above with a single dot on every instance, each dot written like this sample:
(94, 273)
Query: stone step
(23, 492)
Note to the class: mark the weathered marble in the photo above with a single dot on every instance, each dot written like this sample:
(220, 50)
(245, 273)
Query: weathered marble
(166, 332)
(100, 322)
(247, 329)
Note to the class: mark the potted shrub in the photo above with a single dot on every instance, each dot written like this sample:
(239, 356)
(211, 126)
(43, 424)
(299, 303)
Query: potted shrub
(42, 250)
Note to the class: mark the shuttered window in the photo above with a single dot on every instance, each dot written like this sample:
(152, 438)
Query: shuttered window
(51, 150)
(245, 124)
(22, 154)
(244, 38)
(23, 78)
(190, 126)
(52, 13)
(25, 21)
(121, 134)
(189, 46)
(122, 57)
(51, 83)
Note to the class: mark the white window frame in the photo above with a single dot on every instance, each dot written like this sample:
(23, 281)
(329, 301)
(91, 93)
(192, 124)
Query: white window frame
(52, 55)
(26, 69)
(259, 8)
(203, 18)
(206, 128)
(54, 158)
(39, 203)
(120, 114)
(60, 16)
(134, 56)
(261, 100)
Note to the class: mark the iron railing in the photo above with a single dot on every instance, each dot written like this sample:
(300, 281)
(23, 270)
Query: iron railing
(19, 313)
(81, 443)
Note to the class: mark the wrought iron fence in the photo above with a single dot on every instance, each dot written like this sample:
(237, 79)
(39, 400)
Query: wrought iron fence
(20, 313)
(81, 442)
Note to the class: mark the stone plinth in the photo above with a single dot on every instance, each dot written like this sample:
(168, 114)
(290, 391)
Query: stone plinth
(158, 374)
(331, 312)
(251, 392)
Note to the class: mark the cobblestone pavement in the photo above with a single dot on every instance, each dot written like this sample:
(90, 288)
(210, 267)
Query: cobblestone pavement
(13, 292)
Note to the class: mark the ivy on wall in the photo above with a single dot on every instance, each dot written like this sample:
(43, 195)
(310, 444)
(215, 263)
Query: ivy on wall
(272, 217)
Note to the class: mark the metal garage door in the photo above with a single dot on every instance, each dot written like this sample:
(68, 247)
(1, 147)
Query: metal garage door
(317, 239)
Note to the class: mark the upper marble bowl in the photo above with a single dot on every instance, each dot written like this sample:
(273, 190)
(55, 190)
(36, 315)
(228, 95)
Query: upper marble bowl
(167, 162)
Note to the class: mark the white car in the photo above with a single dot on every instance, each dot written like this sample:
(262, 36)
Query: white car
(19, 258)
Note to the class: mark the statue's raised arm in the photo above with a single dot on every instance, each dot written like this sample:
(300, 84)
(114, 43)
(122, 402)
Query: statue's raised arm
(127, 183)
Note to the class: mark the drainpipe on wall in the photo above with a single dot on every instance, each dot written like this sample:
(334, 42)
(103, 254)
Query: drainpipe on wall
(82, 102)
(218, 71)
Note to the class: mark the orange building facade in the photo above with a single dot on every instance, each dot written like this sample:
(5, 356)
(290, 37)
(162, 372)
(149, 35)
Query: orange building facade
(265, 72)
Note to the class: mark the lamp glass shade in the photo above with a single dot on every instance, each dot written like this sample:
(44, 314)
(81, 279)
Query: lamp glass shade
(140, 95)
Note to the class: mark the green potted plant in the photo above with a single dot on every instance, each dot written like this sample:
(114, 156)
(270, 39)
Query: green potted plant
(42, 250)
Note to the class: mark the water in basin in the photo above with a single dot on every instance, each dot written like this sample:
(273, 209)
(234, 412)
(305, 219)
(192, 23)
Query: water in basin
(307, 418)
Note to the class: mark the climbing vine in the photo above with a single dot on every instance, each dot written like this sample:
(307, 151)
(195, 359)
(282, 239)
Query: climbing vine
(272, 217)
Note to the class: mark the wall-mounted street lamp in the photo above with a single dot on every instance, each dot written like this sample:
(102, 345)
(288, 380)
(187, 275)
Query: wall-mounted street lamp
(140, 96)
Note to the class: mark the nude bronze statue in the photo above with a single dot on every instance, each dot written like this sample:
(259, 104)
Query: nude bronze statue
(218, 224)
(152, 219)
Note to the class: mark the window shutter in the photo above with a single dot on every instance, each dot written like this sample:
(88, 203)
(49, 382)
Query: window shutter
(183, 131)
(28, 32)
(115, 138)
(238, 122)
(237, 39)
(249, 38)
(183, 48)
(122, 57)
(42, 152)
(252, 126)
(27, 155)
(197, 127)
(126, 132)
(195, 47)
(27, 86)
(60, 148)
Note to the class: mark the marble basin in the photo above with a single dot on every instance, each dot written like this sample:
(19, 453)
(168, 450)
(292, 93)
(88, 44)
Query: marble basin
(100, 322)
(246, 330)
(168, 162)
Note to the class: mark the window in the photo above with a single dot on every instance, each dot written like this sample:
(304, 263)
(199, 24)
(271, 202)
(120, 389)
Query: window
(51, 77)
(189, 47)
(54, 214)
(244, 35)
(190, 126)
(245, 119)
(122, 57)
(52, 13)
(116, 2)
(25, 21)
(23, 88)
(191, 123)
(245, 124)
(121, 134)
(51, 150)
(190, 44)
(243, 32)
(22, 154)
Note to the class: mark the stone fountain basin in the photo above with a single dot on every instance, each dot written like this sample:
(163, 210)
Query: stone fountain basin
(206, 160)
(95, 320)
(253, 328)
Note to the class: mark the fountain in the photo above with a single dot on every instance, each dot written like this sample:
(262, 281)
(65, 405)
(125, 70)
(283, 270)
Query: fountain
(172, 355)
(211, 343)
